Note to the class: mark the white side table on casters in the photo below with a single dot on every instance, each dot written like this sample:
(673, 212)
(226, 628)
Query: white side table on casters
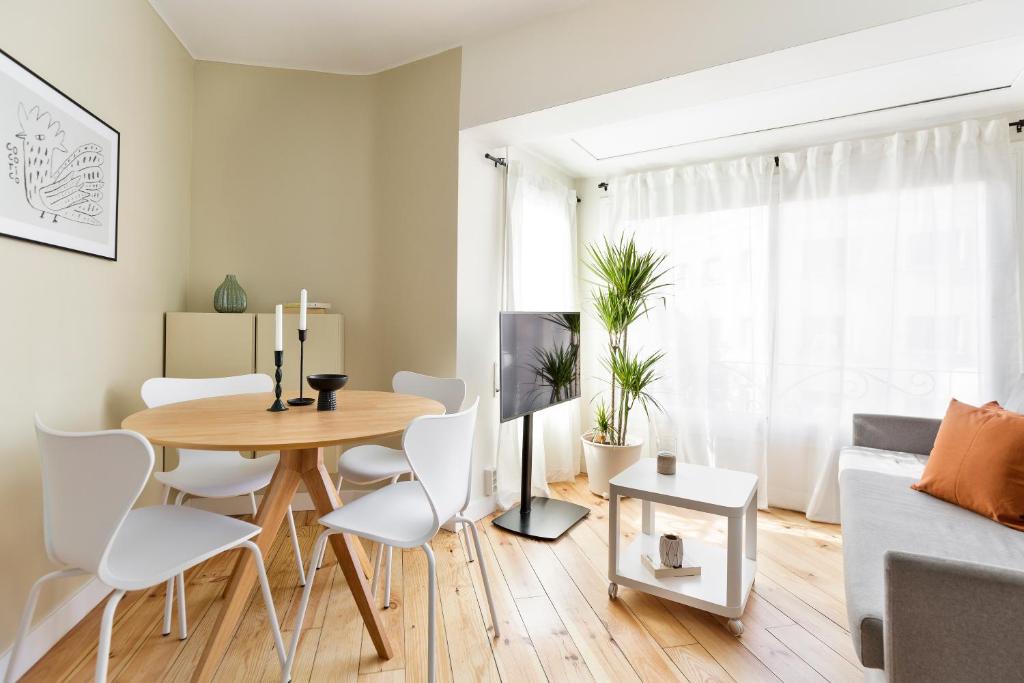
(727, 574)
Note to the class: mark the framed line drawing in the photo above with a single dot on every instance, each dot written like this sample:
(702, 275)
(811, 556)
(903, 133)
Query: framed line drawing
(60, 175)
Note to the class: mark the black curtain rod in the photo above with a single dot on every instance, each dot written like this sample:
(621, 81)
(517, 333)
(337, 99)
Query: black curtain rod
(502, 161)
(1019, 125)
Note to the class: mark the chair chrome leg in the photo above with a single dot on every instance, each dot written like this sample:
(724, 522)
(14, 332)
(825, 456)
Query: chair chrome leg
(168, 605)
(295, 546)
(431, 619)
(483, 574)
(300, 615)
(26, 618)
(465, 539)
(252, 502)
(320, 560)
(106, 625)
(268, 598)
(376, 569)
(387, 582)
(182, 618)
(169, 596)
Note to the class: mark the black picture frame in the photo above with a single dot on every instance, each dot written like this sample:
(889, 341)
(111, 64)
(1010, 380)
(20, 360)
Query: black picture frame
(15, 76)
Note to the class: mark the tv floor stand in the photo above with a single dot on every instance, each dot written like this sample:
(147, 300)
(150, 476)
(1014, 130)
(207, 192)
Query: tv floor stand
(538, 517)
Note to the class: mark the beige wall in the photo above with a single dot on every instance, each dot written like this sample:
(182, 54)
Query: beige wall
(345, 185)
(282, 196)
(81, 334)
(416, 176)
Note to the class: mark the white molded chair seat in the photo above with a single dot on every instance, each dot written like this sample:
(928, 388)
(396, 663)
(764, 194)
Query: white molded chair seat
(223, 474)
(370, 464)
(398, 515)
(158, 543)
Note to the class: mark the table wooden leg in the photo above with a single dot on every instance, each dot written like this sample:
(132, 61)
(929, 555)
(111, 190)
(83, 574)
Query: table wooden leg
(271, 513)
(325, 499)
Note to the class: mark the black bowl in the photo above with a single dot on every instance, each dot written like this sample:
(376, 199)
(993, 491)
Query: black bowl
(327, 384)
(327, 381)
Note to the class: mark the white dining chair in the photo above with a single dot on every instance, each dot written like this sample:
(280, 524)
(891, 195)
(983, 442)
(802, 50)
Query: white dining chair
(370, 464)
(90, 483)
(212, 474)
(407, 514)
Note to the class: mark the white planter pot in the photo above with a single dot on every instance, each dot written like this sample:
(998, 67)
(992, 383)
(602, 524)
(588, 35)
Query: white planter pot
(604, 461)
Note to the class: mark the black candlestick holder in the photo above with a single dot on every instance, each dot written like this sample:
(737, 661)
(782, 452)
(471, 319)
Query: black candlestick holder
(278, 404)
(301, 401)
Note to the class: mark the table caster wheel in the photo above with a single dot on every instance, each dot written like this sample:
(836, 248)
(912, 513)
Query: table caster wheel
(735, 627)
(613, 590)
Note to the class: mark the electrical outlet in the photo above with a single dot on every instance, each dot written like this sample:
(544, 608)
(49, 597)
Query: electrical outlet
(490, 482)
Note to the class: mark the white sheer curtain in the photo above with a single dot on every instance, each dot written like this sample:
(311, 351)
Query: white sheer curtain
(712, 222)
(540, 274)
(871, 276)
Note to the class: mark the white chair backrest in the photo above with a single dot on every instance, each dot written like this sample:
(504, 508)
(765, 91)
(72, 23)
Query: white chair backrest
(440, 453)
(448, 391)
(160, 391)
(90, 482)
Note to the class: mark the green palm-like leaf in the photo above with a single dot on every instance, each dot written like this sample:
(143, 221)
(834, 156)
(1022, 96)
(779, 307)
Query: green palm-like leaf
(629, 281)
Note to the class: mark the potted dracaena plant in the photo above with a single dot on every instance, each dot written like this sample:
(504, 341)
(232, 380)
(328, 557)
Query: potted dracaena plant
(629, 281)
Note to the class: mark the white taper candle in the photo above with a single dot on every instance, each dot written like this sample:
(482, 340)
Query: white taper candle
(279, 328)
(302, 309)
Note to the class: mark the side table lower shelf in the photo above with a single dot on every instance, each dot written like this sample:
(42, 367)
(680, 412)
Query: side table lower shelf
(705, 592)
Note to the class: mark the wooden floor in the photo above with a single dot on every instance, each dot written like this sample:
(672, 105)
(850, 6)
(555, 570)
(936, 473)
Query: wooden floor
(557, 621)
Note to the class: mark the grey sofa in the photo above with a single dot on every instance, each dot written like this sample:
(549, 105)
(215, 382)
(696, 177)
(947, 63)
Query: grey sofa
(933, 592)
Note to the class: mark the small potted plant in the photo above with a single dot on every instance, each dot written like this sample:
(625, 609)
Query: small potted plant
(629, 281)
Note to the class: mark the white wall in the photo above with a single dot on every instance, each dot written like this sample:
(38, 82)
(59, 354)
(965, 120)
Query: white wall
(481, 257)
(610, 45)
(590, 227)
(481, 210)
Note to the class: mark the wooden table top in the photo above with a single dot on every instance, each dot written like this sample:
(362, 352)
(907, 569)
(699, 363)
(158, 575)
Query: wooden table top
(242, 422)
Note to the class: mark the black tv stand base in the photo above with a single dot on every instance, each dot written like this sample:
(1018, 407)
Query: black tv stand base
(537, 517)
(546, 519)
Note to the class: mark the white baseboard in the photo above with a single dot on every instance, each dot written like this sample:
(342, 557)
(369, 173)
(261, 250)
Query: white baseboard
(55, 625)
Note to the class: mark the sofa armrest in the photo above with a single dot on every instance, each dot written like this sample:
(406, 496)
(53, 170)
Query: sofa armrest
(895, 432)
(947, 620)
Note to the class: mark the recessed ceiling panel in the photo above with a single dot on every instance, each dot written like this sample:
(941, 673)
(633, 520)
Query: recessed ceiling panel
(985, 67)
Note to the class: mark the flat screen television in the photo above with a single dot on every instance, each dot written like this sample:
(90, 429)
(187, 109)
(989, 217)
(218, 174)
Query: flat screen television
(540, 361)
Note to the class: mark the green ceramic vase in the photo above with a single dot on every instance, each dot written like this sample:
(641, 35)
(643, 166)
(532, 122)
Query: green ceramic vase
(229, 297)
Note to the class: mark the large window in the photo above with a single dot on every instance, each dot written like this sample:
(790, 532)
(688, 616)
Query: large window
(875, 276)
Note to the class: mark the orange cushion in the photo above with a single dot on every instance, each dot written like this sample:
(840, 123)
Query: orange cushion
(978, 462)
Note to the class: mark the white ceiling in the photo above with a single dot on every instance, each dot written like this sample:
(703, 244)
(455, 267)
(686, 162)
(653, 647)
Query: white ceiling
(906, 74)
(340, 36)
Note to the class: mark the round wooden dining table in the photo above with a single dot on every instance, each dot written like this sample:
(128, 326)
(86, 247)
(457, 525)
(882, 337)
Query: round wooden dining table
(242, 423)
